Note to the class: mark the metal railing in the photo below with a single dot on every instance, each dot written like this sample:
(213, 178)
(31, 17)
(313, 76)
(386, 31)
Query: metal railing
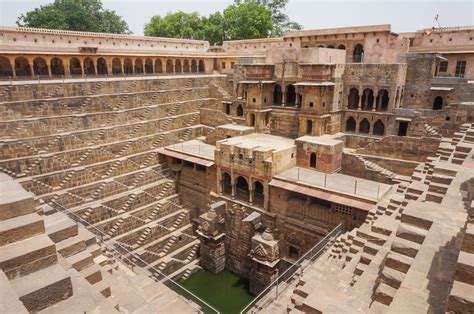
(291, 274)
(128, 258)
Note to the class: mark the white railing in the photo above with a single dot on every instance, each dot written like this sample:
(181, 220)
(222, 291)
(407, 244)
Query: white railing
(290, 275)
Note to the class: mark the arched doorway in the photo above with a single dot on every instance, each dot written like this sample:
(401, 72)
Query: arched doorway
(5, 67)
(379, 128)
(193, 66)
(138, 66)
(57, 67)
(353, 99)
(102, 66)
(368, 99)
(342, 47)
(226, 184)
(158, 66)
(75, 67)
(351, 125)
(358, 54)
(240, 111)
(383, 99)
(89, 68)
(186, 66)
(313, 159)
(364, 126)
(148, 66)
(128, 66)
(277, 95)
(242, 189)
(40, 67)
(258, 195)
(202, 69)
(177, 66)
(290, 95)
(438, 103)
(331, 47)
(169, 66)
(227, 108)
(252, 119)
(22, 67)
(116, 66)
(309, 127)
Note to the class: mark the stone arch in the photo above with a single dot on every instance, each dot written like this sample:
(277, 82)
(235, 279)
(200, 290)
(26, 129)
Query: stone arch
(353, 99)
(116, 66)
(379, 128)
(277, 95)
(258, 193)
(331, 47)
(193, 66)
(358, 54)
(177, 66)
(40, 67)
(367, 99)
(102, 66)
(89, 68)
(351, 125)
(290, 95)
(364, 126)
(438, 103)
(75, 67)
(169, 66)
(148, 66)
(127, 66)
(138, 66)
(242, 189)
(320, 46)
(252, 119)
(201, 66)
(158, 66)
(57, 67)
(5, 67)
(342, 47)
(186, 68)
(313, 160)
(240, 111)
(383, 99)
(226, 183)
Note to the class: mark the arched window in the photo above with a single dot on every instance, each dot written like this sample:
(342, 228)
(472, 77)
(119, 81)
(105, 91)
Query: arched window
(277, 95)
(258, 195)
(5, 67)
(358, 54)
(438, 103)
(138, 66)
(364, 126)
(331, 47)
(148, 66)
(351, 125)
(353, 99)
(158, 66)
(313, 159)
(202, 69)
(290, 95)
(75, 67)
(186, 66)
(240, 111)
(193, 66)
(101, 66)
(226, 184)
(116, 66)
(177, 66)
(367, 99)
(382, 99)
(342, 47)
(57, 67)
(169, 66)
(242, 189)
(128, 66)
(309, 127)
(89, 68)
(379, 128)
(40, 67)
(252, 119)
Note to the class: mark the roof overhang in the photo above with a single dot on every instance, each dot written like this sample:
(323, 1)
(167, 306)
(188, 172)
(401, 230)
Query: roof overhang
(314, 84)
(193, 159)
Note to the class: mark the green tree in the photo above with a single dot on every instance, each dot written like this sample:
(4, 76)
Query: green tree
(76, 15)
(213, 28)
(247, 20)
(176, 25)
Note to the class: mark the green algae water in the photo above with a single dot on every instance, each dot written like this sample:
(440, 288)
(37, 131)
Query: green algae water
(225, 291)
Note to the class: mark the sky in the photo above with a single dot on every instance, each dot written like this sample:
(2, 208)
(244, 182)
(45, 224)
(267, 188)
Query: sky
(404, 15)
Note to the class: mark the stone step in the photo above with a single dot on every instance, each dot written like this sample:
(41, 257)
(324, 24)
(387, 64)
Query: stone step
(398, 262)
(92, 274)
(43, 288)
(411, 233)
(465, 268)
(80, 260)
(21, 227)
(405, 247)
(59, 227)
(392, 277)
(384, 293)
(461, 299)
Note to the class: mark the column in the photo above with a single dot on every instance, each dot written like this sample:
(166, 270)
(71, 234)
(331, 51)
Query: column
(30, 64)
(12, 65)
(378, 100)
(48, 65)
(67, 69)
(122, 65)
(250, 192)
(233, 185)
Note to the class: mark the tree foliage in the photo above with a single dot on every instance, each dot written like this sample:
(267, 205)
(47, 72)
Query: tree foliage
(247, 21)
(76, 15)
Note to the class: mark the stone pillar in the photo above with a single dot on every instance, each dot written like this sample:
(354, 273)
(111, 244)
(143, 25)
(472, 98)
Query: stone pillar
(250, 194)
(30, 64)
(12, 65)
(48, 65)
(67, 68)
(211, 235)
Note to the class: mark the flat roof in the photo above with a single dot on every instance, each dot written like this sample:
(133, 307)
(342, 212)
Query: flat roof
(193, 151)
(255, 82)
(441, 88)
(314, 84)
(320, 140)
(260, 141)
(235, 127)
(358, 188)
(339, 30)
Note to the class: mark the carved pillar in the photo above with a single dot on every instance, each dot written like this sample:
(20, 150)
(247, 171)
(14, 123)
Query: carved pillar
(211, 235)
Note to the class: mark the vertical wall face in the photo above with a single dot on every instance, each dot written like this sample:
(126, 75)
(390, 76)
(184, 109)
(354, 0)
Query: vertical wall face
(420, 72)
